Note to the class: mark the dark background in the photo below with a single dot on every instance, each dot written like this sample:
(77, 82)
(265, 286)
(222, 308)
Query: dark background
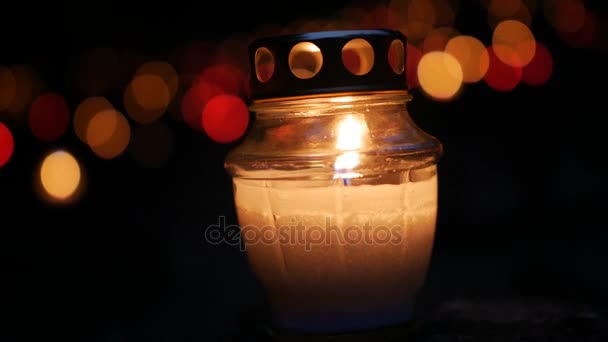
(521, 187)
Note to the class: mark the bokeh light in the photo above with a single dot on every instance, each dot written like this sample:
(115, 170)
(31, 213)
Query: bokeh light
(587, 36)
(539, 70)
(227, 77)
(163, 70)
(150, 97)
(445, 11)
(438, 38)
(440, 75)
(225, 118)
(472, 56)
(421, 18)
(85, 111)
(7, 145)
(501, 76)
(152, 145)
(49, 117)
(147, 98)
(8, 87)
(502, 10)
(174, 111)
(513, 42)
(195, 100)
(566, 16)
(27, 86)
(108, 134)
(60, 175)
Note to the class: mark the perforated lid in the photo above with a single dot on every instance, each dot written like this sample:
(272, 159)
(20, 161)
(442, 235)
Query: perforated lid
(318, 63)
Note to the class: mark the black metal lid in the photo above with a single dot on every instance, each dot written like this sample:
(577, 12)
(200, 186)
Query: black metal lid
(327, 62)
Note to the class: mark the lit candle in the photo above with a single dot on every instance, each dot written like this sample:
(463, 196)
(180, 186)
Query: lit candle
(336, 195)
(335, 256)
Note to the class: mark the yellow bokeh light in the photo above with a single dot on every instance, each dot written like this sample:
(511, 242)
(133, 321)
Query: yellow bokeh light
(147, 98)
(472, 56)
(440, 75)
(60, 175)
(85, 111)
(512, 37)
(108, 134)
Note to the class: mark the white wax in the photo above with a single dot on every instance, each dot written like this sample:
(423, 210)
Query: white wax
(337, 254)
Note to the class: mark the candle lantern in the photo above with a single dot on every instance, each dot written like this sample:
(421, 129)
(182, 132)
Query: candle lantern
(335, 186)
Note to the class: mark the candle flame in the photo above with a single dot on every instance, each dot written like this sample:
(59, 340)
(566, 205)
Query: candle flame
(350, 133)
(350, 137)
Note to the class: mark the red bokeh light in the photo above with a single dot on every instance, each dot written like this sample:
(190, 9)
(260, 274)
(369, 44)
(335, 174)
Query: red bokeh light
(49, 117)
(411, 70)
(225, 118)
(227, 77)
(539, 70)
(195, 100)
(501, 76)
(7, 144)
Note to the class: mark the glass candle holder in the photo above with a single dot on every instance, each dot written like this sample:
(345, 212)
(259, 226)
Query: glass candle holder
(335, 186)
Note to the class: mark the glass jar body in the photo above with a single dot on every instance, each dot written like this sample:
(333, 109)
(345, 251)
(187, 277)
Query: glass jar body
(337, 199)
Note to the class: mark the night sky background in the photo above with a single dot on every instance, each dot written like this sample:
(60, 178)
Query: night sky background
(522, 193)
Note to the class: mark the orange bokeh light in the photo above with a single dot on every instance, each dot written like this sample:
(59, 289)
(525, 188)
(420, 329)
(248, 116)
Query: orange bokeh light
(27, 87)
(472, 56)
(108, 134)
(146, 98)
(163, 70)
(85, 111)
(514, 44)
